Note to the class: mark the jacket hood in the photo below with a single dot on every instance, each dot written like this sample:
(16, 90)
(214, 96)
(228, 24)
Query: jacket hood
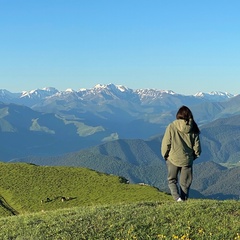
(182, 125)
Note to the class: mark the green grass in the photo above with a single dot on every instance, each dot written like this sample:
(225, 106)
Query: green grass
(24, 186)
(101, 206)
(195, 219)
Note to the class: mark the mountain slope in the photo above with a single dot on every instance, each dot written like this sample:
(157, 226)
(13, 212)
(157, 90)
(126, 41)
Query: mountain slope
(221, 140)
(75, 120)
(24, 132)
(133, 159)
(31, 188)
(140, 162)
(122, 110)
(216, 181)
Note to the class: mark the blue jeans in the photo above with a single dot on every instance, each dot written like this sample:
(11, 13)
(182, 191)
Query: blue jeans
(180, 189)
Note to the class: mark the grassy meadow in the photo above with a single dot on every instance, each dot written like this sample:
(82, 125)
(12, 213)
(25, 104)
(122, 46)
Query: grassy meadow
(30, 188)
(196, 219)
(101, 206)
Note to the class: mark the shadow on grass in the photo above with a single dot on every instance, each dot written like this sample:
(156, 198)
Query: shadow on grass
(58, 198)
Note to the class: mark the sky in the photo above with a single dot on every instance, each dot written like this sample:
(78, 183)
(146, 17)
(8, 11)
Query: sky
(185, 46)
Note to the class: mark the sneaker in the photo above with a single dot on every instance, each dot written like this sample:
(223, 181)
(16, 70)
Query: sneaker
(179, 200)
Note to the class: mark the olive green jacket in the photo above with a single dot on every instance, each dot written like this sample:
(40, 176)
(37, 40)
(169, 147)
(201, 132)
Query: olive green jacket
(179, 144)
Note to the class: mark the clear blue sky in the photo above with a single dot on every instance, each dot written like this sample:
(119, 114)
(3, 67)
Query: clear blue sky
(184, 46)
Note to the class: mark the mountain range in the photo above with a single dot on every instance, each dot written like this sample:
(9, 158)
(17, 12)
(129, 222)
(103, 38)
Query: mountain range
(117, 130)
(51, 122)
(123, 112)
(102, 91)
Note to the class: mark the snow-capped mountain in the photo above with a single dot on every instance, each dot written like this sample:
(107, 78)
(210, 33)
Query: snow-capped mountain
(215, 96)
(39, 93)
(106, 93)
(47, 120)
(119, 103)
(104, 103)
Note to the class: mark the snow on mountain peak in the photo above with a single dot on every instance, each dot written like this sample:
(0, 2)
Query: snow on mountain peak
(110, 90)
(99, 86)
(82, 89)
(39, 93)
(154, 92)
(103, 92)
(215, 95)
(50, 89)
(69, 90)
(111, 86)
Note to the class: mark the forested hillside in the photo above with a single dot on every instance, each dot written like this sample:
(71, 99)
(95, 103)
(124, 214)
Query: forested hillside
(140, 161)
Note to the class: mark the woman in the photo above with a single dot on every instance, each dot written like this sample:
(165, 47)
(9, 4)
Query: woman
(180, 147)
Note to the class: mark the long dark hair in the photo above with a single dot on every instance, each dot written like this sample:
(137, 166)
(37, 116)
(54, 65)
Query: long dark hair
(186, 114)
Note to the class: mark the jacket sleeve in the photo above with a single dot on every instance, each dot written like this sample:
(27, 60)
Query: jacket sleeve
(197, 146)
(166, 143)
